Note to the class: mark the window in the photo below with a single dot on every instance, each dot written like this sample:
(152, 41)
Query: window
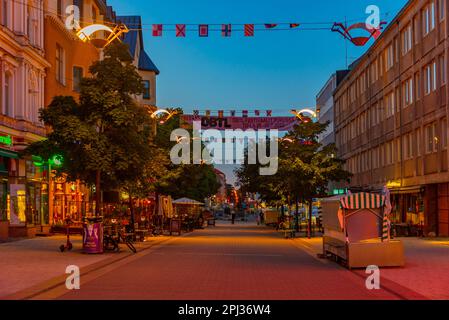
(94, 14)
(416, 29)
(443, 69)
(431, 138)
(442, 9)
(444, 134)
(77, 76)
(80, 5)
(390, 104)
(417, 86)
(5, 9)
(430, 78)
(146, 89)
(389, 57)
(8, 93)
(428, 18)
(407, 39)
(60, 65)
(408, 146)
(59, 9)
(407, 92)
(418, 142)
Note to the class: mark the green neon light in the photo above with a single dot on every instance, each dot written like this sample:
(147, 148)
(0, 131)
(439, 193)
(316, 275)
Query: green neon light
(57, 161)
(6, 140)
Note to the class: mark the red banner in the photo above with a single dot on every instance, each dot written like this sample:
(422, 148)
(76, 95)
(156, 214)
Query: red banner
(243, 123)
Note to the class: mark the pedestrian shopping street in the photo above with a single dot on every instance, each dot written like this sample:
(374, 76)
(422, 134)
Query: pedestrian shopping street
(242, 261)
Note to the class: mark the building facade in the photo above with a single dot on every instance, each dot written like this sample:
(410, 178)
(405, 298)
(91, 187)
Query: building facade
(325, 112)
(391, 115)
(70, 59)
(23, 70)
(147, 69)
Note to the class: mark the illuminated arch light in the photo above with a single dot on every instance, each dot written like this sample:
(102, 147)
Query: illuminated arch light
(85, 33)
(165, 115)
(301, 115)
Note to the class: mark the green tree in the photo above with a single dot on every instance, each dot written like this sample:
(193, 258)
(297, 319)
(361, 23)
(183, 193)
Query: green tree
(105, 137)
(305, 168)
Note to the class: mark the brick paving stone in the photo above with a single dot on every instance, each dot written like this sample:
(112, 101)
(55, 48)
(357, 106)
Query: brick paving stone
(237, 262)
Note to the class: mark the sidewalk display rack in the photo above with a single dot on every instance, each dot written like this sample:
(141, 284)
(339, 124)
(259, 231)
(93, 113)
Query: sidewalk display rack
(353, 232)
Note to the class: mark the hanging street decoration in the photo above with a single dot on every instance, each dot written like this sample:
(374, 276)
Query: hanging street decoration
(203, 30)
(359, 41)
(157, 30)
(249, 30)
(353, 33)
(180, 30)
(226, 30)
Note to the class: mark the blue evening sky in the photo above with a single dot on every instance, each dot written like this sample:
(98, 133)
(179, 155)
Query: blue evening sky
(278, 70)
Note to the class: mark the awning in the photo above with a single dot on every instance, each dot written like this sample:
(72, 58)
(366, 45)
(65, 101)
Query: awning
(362, 201)
(407, 190)
(9, 154)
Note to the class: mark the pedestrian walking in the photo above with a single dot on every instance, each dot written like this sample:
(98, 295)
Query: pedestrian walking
(233, 217)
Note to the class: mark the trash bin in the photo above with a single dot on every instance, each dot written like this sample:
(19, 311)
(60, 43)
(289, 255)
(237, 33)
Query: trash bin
(93, 235)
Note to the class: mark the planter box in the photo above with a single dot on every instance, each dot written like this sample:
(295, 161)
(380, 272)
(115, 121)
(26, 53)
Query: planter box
(4, 230)
(22, 231)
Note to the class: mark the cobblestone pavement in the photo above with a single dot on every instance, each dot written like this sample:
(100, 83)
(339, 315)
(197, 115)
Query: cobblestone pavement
(236, 262)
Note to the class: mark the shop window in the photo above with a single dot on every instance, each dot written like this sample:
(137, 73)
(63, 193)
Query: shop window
(442, 9)
(146, 89)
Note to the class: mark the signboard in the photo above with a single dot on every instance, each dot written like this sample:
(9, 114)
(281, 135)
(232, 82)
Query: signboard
(175, 226)
(243, 123)
(93, 237)
(6, 140)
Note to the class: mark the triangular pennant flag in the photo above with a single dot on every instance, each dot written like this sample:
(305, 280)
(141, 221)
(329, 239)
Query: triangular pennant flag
(157, 30)
(226, 30)
(257, 113)
(245, 113)
(220, 113)
(249, 30)
(180, 30)
(203, 30)
(232, 113)
(294, 25)
(196, 113)
(269, 113)
(270, 25)
(207, 113)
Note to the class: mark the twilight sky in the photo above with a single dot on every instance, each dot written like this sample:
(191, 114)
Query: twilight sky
(278, 70)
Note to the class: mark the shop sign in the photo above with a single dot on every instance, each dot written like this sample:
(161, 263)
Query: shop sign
(6, 140)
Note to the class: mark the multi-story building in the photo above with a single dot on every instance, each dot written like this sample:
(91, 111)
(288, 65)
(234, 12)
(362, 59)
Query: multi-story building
(391, 115)
(325, 106)
(70, 59)
(325, 111)
(147, 69)
(23, 69)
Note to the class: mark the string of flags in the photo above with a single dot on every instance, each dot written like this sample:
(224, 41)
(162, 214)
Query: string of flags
(203, 30)
(233, 113)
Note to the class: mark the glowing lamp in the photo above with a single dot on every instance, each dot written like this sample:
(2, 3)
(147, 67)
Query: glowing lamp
(85, 33)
